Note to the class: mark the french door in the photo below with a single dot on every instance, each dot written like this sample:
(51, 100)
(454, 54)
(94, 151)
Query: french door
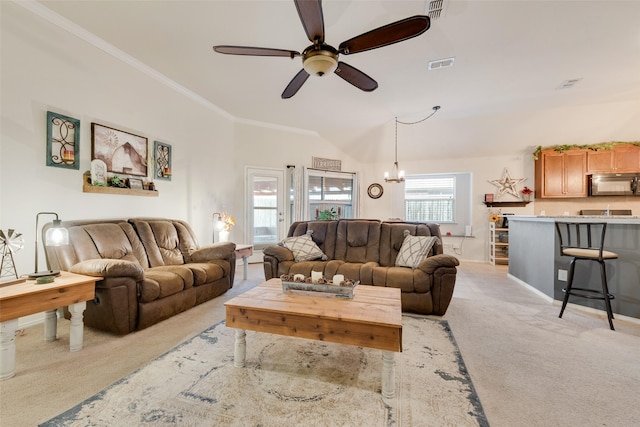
(265, 200)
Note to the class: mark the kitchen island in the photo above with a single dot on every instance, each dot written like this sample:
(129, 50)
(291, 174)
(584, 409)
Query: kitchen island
(534, 258)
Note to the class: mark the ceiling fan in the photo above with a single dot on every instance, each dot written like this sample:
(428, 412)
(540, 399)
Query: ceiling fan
(320, 58)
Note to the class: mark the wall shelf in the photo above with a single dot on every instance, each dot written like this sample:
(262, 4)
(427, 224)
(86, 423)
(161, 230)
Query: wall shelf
(88, 188)
(506, 204)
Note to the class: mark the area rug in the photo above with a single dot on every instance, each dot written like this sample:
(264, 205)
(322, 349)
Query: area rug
(291, 382)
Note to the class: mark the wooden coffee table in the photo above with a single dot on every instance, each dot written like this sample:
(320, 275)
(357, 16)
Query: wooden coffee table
(23, 299)
(373, 318)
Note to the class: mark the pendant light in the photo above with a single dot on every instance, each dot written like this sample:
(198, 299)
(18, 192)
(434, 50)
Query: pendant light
(397, 175)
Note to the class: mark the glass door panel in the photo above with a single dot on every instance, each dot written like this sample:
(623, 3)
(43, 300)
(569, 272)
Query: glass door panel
(266, 201)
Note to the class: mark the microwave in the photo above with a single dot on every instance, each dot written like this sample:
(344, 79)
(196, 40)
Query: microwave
(614, 184)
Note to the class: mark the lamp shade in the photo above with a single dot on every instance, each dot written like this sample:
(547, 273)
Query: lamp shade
(56, 235)
(320, 62)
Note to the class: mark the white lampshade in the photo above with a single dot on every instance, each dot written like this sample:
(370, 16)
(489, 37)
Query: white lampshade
(56, 235)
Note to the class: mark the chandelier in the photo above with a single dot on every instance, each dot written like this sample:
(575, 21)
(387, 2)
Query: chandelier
(397, 175)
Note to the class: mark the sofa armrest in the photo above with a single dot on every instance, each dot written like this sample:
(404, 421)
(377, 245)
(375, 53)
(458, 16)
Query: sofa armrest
(222, 250)
(443, 269)
(279, 252)
(109, 268)
(432, 263)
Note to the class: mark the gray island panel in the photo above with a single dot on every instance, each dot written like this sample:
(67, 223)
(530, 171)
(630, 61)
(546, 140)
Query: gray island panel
(534, 258)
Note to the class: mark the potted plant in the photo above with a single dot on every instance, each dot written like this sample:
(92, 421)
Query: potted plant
(526, 194)
(328, 214)
(225, 225)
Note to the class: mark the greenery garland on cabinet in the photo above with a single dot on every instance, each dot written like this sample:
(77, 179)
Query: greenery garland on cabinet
(593, 147)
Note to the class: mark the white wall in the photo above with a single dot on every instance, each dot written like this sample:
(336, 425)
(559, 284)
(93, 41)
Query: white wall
(482, 170)
(45, 68)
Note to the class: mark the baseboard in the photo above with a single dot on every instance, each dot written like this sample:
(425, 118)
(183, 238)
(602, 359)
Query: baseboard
(573, 306)
(531, 288)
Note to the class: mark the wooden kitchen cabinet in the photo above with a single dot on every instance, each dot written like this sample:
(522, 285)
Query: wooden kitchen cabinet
(623, 158)
(561, 175)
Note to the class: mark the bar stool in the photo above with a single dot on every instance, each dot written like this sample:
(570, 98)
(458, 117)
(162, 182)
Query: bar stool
(585, 242)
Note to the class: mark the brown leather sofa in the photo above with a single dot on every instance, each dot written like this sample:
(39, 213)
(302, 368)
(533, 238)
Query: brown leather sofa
(366, 250)
(153, 268)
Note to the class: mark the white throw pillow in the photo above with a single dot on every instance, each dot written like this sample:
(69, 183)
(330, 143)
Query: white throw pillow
(414, 249)
(303, 248)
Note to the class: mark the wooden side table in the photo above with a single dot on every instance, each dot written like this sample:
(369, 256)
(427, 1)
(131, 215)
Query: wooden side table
(244, 252)
(23, 299)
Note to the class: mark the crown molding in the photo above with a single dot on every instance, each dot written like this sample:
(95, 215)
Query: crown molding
(63, 23)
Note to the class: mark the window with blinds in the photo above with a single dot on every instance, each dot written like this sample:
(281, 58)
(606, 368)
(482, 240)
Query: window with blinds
(331, 191)
(430, 198)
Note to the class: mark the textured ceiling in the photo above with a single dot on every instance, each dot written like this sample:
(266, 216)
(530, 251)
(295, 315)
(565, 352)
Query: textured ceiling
(501, 96)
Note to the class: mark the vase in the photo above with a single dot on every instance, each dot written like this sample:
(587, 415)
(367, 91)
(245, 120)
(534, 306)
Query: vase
(223, 236)
(526, 197)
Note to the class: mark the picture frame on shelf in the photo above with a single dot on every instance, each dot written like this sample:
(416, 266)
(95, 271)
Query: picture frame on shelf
(136, 184)
(63, 141)
(122, 152)
(162, 164)
(98, 172)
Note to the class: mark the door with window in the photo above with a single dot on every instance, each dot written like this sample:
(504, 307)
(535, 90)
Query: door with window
(265, 206)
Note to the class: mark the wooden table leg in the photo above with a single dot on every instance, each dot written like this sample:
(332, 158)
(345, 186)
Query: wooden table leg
(76, 331)
(8, 348)
(50, 324)
(388, 374)
(240, 348)
(245, 262)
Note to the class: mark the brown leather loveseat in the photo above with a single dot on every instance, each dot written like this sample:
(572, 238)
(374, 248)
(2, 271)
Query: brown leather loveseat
(367, 250)
(153, 268)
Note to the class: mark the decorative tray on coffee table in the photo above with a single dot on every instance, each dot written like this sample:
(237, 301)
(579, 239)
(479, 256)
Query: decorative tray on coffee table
(345, 289)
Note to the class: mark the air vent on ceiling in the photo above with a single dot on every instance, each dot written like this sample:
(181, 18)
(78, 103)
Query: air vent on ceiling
(441, 63)
(568, 83)
(436, 9)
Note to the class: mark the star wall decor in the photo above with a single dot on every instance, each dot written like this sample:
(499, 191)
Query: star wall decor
(507, 184)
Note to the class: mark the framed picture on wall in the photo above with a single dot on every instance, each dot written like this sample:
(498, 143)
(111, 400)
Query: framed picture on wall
(63, 141)
(121, 151)
(162, 155)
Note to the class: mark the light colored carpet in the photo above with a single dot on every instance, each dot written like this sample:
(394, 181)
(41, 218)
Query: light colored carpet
(529, 368)
(291, 381)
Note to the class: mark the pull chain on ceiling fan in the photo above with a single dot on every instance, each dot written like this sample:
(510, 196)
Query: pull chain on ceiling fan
(320, 58)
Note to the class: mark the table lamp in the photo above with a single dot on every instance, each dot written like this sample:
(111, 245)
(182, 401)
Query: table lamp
(55, 236)
(218, 224)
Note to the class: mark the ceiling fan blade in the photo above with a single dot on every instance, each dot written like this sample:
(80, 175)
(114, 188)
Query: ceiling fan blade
(295, 84)
(255, 51)
(310, 12)
(395, 32)
(356, 77)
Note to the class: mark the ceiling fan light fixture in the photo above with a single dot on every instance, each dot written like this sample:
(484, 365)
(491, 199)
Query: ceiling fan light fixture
(320, 62)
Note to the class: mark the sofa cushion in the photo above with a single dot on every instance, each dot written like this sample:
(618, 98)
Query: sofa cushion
(205, 272)
(358, 240)
(161, 241)
(160, 282)
(303, 248)
(392, 236)
(414, 249)
(324, 234)
(102, 241)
